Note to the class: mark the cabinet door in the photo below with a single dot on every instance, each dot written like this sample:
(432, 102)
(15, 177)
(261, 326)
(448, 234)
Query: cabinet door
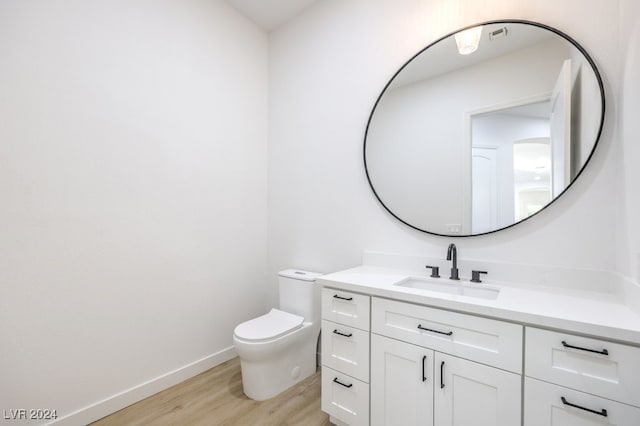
(344, 398)
(595, 366)
(401, 383)
(551, 405)
(346, 308)
(346, 349)
(472, 394)
(490, 342)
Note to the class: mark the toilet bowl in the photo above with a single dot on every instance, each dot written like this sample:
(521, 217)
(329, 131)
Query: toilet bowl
(278, 349)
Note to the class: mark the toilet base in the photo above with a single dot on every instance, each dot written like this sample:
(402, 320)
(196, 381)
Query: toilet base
(293, 360)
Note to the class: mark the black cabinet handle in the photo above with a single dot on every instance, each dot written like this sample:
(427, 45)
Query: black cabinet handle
(435, 331)
(335, 380)
(602, 352)
(335, 296)
(424, 377)
(602, 412)
(342, 334)
(442, 375)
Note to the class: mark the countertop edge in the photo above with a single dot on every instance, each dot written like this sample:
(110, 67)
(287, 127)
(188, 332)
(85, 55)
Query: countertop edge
(593, 329)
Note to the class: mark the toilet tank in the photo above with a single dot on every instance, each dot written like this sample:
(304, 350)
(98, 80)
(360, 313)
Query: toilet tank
(300, 294)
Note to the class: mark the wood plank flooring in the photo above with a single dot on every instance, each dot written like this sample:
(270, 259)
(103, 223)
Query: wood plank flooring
(215, 397)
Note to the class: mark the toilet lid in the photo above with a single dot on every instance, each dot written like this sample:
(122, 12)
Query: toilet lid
(269, 326)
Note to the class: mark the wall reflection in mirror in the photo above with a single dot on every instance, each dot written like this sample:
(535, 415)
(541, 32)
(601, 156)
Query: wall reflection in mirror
(466, 144)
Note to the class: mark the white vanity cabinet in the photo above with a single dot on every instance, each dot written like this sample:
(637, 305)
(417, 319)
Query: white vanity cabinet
(394, 362)
(544, 406)
(575, 380)
(487, 341)
(413, 384)
(472, 394)
(345, 356)
(402, 379)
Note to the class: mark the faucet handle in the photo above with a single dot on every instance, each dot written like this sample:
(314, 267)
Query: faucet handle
(475, 276)
(434, 271)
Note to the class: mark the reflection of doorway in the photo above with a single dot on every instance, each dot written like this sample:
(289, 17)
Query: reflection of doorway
(492, 187)
(484, 214)
(531, 176)
(531, 201)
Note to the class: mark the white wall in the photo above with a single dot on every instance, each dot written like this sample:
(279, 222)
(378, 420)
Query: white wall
(326, 70)
(629, 104)
(133, 181)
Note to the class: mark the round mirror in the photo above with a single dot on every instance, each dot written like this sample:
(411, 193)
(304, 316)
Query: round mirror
(484, 128)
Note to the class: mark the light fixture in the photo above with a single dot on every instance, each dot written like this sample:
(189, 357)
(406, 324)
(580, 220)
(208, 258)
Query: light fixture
(468, 40)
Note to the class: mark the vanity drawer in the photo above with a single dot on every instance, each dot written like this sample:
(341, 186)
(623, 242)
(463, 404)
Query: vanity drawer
(491, 342)
(346, 349)
(611, 370)
(346, 308)
(345, 398)
(543, 406)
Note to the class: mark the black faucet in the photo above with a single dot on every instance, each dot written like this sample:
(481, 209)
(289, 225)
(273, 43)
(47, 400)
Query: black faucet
(452, 254)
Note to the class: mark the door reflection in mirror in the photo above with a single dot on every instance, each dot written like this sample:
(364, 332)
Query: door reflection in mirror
(520, 137)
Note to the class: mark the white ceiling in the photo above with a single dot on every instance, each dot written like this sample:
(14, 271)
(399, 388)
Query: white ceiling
(270, 14)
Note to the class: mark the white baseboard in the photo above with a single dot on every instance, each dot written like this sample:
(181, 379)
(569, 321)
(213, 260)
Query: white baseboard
(137, 393)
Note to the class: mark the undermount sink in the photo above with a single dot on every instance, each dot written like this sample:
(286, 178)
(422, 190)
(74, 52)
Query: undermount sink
(446, 286)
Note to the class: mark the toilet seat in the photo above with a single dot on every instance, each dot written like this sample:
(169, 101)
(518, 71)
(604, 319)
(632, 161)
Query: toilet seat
(269, 326)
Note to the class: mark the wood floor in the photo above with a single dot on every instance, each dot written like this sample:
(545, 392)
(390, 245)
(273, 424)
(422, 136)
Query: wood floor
(215, 397)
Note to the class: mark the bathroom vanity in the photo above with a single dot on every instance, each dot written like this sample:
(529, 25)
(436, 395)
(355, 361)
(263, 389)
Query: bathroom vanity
(531, 346)
(431, 352)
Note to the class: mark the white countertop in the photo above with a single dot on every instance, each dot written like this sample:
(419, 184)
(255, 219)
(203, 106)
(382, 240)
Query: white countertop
(586, 312)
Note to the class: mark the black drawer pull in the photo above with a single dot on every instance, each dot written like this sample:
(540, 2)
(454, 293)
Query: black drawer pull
(602, 352)
(442, 375)
(342, 334)
(424, 377)
(335, 296)
(435, 331)
(340, 383)
(602, 412)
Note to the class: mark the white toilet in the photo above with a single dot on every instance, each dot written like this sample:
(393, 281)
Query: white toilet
(278, 350)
